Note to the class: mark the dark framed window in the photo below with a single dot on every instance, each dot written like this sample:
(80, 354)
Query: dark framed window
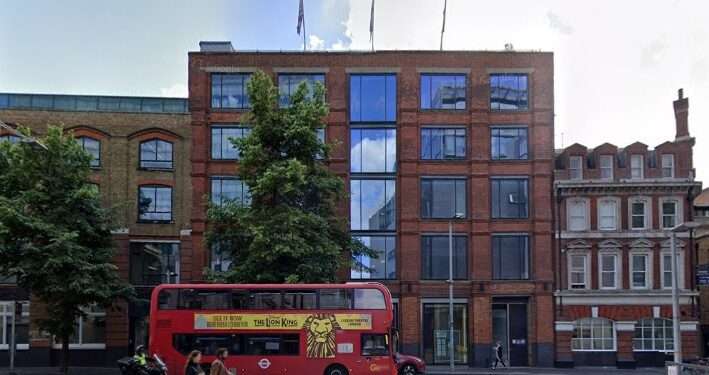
(509, 143)
(375, 344)
(156, 154)
(434, 257)
(10, 138)
(510, 257)
(443, 198)
(443, 91)
(509, 92)
(220, 257)
(382, 267)
(229, 90)
(226, 189)
(373, 150)
(510, 198)
(154, 263)
(93, 147)
(288, 84)
(372, 204)
(443, 143)
(222, 147)
(155, 203)
(373, 98)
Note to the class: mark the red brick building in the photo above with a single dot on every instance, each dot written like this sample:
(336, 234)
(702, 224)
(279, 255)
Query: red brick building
(615, 205)
(420, 137)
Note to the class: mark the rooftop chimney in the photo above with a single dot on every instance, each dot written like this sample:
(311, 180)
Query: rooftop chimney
(215, 46)
(681, 114)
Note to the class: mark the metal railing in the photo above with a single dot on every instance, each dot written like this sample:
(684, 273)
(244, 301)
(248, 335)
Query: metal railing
(699, 368)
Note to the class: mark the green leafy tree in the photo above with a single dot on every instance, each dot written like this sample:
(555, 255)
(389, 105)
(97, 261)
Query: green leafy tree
(55, 237)
(290, 231)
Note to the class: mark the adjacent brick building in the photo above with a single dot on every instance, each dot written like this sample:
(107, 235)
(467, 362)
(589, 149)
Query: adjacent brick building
(141, 148)
(701, 237)
(614, 207)
(419, 136)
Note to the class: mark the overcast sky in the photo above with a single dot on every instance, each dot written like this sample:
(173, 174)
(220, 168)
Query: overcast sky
(618, 63)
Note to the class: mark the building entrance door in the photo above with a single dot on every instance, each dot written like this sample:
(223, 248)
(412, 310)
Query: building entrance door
(509, 327)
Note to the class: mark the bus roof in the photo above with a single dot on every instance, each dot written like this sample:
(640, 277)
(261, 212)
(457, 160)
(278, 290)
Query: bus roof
(349, 285)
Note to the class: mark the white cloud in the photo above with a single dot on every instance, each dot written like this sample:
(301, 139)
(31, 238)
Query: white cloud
(556, 23)
(176, 90)
(315, 43)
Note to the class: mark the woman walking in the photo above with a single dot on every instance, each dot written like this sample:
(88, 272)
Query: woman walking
(193, 367)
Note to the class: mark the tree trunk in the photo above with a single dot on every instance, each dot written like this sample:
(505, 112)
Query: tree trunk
(65, 354)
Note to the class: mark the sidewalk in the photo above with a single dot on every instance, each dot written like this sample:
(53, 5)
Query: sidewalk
(444, 370)
(55, 370)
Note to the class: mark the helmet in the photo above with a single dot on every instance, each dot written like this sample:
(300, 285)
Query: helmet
(140, 349)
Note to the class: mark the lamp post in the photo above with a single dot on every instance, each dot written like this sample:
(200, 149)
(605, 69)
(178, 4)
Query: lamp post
(677, 342)
(451, 341)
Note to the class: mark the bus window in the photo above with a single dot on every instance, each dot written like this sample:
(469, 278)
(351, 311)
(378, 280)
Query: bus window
(240, 299)
(238, 344)
(265, 300)
(272, 344)
(167, 299)
(375, 344)
(207, 344)
(299, 300)
(369, 299)
(206, 299)
(335, 299)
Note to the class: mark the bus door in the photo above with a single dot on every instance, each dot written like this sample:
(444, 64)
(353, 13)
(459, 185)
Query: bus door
(375, 354)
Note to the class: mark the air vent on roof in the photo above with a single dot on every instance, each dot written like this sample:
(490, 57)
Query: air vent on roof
(215, 46)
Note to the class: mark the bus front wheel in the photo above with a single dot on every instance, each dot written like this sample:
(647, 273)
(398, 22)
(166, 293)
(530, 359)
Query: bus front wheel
(336, 370)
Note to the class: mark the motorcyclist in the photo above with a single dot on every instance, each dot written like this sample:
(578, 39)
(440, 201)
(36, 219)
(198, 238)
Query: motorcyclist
(141, 356)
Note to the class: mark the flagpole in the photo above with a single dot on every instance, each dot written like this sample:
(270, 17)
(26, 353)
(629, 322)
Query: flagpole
(304, 32)
(371, 26)
(443, 29)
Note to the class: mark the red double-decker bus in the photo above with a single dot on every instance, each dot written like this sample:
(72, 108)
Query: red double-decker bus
(329, 329)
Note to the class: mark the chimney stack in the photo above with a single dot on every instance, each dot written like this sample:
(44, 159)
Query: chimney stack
(681, 106)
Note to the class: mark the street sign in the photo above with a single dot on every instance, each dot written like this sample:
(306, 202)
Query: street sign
(703, 274)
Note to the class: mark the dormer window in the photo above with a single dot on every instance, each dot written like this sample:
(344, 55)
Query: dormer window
(575, 167)
(668, 165)
(606, 162)
(636, 166)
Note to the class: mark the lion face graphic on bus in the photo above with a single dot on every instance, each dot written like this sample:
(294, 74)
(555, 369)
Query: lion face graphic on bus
(320, 329)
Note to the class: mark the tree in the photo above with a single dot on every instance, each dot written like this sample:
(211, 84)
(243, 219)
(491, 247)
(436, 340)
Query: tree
(55, 237)
(290, 231)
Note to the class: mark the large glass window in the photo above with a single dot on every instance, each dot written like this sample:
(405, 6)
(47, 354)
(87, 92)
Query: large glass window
(373, 150)
(222, 147)
(89, 330)
(229, 91)
(510, 257)
(225, 189)
(220, 259)
(156, 154)
(93, 147)
(510, 198)
(22, 325)
(372, 204)
(443, 143)
(443, 198)
(288, 84)
(436, 331)
(154, 263)
(443, 91)
(653, 335)
(381, 267)
(509, 143)
(155, 203)
(373, 98)
(593, 334)
(434, 257)
(508, 92)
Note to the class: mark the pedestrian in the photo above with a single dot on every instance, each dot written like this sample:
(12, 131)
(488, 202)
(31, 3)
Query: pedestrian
(218, 366)
(193, 367)
(498, 356)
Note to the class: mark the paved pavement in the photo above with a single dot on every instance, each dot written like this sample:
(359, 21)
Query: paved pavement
(55, 370)
(442, 370)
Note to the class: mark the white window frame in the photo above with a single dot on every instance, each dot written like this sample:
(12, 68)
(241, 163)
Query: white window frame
(617, 267)
(571, 202)
(678, 211)
(81, 345)
(671, 159)
(6, 315)
(640, 168)
(648, 269)
(616, 202)
(586, 272)
(576, 173)
(610, 159)
(647, 216)
(653, 338)
(592, 338)
(680, 268)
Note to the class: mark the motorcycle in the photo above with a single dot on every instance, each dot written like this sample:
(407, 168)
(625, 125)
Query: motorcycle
(129, 366)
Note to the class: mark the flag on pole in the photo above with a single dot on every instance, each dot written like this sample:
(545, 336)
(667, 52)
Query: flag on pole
(301, 16)
(443, 28)
(371, 23)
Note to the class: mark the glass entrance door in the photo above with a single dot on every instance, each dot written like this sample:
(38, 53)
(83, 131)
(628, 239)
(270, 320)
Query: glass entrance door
(436, 333)
(509, 327)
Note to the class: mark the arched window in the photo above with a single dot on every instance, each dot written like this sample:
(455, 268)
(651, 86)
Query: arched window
(653, 335)
(593, 334)
(156, 154)
(93, 147)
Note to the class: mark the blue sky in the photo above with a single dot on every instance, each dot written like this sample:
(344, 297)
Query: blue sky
(618, 64)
